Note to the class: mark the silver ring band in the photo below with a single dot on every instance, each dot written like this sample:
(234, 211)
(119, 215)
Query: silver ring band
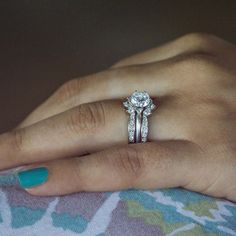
(139, 106)
(138, 126)
(144, 129)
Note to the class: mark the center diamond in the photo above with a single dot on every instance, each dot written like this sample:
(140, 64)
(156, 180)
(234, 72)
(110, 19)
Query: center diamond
(140, 99)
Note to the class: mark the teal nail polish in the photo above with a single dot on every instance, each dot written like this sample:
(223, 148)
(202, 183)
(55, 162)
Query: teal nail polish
(33, 177)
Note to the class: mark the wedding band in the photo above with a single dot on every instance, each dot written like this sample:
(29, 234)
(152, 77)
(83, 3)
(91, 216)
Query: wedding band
(139, 105)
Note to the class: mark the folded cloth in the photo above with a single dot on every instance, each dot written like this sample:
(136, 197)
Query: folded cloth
(132, 212)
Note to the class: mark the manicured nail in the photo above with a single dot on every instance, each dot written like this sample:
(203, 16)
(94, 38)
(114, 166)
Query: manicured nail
(33, 177)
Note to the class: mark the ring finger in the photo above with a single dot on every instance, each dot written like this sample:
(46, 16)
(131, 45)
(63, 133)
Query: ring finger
(87, 128)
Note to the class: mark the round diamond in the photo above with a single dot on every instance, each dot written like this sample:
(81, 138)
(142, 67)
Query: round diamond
(140, 99)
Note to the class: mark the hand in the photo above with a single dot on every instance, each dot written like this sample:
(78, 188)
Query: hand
(80, 133)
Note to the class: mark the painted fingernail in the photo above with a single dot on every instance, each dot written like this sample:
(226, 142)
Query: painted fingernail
(33, 177)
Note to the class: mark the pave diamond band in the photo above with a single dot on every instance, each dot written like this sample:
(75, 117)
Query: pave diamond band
(139, 106)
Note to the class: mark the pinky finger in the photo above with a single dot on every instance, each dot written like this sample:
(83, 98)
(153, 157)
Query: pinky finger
(146, 166)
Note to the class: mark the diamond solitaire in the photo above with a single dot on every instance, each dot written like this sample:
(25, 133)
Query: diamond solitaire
(140, 99)
(139, 105)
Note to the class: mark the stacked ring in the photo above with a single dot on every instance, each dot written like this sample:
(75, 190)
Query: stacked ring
(139, 106)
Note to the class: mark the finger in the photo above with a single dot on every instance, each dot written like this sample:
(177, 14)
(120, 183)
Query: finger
(88, 128)
(189, 43)
(94, 87)
(146, 166)
(109, 84)
(81, 130)
(115, 83)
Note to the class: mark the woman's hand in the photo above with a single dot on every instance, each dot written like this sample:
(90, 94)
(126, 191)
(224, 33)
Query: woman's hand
(80, 132)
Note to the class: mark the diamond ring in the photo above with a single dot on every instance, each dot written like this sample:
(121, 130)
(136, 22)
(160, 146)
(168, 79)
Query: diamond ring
(139, 106)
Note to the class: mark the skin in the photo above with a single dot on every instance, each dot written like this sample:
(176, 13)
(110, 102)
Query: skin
(80, 132)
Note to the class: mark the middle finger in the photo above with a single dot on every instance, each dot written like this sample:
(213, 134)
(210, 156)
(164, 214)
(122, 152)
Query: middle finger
(110, 84)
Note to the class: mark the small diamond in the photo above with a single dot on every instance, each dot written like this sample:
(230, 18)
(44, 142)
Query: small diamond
(147, 111)
(130, 110)
(126, 104)
(153, 106)
(140, 99)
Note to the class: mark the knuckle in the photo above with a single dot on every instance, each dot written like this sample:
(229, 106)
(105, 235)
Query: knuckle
(68, 89)
(195, 60)
(196, 40)
(129, 161)
(88, 117)
(115, 78)
(17, 139)
(76, 172)
(201, 64)
(162, 160)
(200, 38)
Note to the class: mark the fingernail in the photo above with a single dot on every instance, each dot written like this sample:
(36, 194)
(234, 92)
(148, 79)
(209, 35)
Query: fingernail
(33, 177)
